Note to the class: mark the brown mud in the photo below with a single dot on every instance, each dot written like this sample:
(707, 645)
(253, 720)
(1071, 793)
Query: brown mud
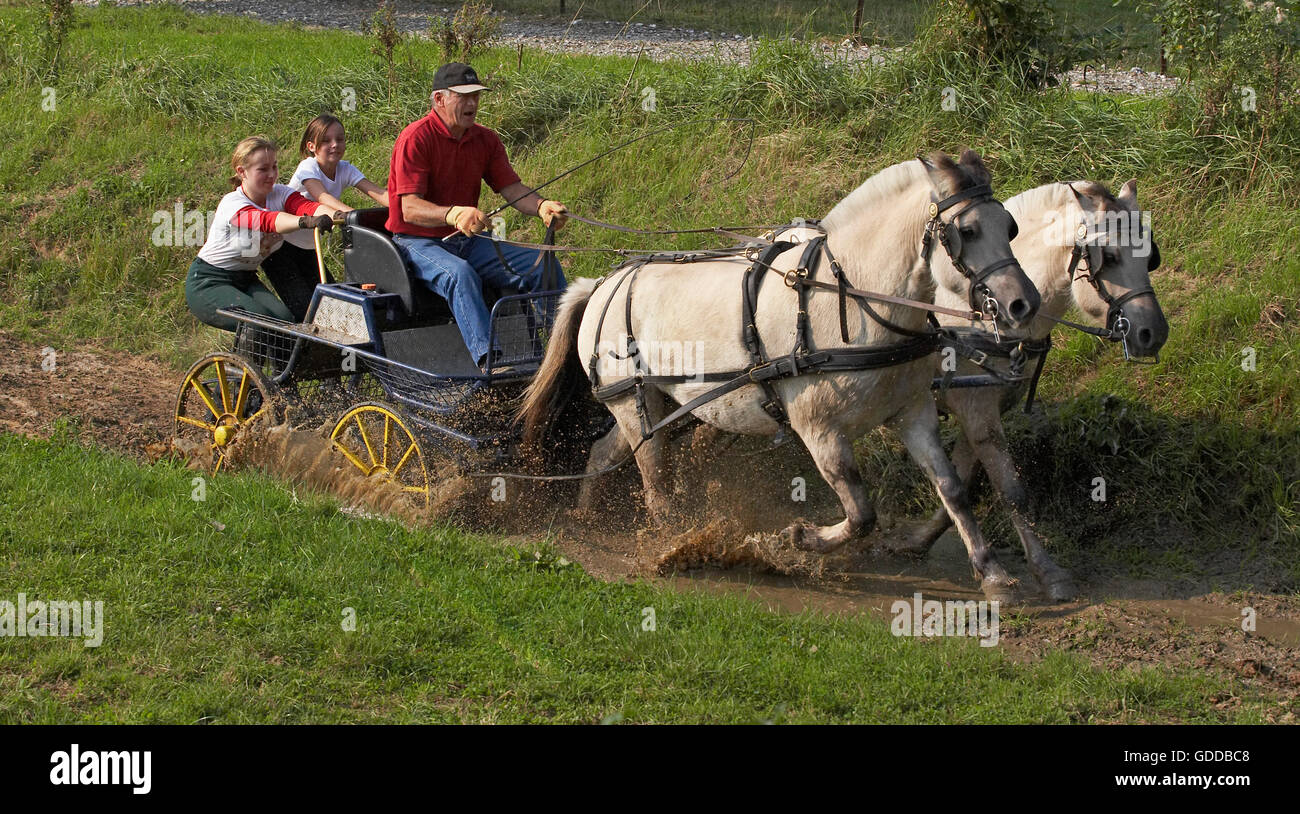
(724, 541)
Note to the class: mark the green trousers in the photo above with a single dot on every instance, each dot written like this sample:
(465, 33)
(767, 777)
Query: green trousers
(208, 288)
(293, 273)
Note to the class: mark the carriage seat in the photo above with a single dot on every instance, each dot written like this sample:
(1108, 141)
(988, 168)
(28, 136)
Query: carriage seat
(370, 256)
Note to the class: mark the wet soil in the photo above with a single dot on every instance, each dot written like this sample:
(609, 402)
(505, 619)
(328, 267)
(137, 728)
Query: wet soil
(725, 540)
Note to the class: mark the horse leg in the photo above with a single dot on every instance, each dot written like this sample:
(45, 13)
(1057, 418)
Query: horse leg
(605, 452)
(651, 457)
(990, 446)
(833, 454)
(919, 542)
(921, 435)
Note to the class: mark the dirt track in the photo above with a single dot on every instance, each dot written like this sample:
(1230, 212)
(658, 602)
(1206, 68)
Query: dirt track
(125, 403)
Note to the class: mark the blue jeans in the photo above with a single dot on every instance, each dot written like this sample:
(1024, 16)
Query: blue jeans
(456, 269)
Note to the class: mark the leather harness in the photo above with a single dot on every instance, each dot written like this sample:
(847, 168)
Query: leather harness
(801, 360)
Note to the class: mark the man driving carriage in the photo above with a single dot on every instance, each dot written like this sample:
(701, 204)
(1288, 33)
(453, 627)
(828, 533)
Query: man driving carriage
(438, 166)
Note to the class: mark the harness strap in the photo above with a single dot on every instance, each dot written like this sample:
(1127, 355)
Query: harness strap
(784, 367)
(981, 191)
(593, 364)
(1033, 382)
(860, 295)
(753, 281)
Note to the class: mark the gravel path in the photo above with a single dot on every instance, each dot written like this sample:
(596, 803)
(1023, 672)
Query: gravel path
(606, 37)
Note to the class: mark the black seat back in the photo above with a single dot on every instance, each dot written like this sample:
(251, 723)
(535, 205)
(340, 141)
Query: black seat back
(369, 256)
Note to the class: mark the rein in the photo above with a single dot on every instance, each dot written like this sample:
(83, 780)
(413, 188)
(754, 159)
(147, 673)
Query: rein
(751, 122)
(750, 253)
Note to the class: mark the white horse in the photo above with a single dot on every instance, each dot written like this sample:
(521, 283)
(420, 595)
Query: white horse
(1110, 271)
(876, 233)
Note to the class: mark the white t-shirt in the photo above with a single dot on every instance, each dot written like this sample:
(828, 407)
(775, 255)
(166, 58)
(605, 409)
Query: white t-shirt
(345, 175)
(234, 248)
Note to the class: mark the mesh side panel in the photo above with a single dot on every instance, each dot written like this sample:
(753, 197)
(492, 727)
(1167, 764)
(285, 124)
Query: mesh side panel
(522, 326)
(266, 348)
(439, 393)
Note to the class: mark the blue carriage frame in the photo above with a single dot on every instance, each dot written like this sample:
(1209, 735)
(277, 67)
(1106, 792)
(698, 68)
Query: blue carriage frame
(429, 394)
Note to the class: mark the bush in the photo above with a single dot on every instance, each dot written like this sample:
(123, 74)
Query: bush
(467, 32)
(58, 18)
(383, 27)
(1246, 94)
(1023, 38)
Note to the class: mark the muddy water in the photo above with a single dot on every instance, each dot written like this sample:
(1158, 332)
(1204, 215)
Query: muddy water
(716, 547)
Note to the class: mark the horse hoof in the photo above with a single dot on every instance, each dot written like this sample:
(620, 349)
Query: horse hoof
(1001, 589)
(792, 536)
(801, 536)
(807, 537)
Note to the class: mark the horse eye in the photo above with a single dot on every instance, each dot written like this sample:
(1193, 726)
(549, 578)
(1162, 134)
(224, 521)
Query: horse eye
(968, 232)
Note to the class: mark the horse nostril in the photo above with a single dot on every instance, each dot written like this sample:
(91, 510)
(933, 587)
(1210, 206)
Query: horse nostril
(1144, 338)
(1020, 310)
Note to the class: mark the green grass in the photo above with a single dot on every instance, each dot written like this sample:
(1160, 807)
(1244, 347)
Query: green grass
(231, 610)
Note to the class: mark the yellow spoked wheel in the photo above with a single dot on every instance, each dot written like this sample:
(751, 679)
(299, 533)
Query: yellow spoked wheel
(375, 439)
(221, 395)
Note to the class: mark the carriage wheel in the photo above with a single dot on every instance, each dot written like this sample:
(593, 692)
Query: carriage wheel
(221, 395)
(375, 440)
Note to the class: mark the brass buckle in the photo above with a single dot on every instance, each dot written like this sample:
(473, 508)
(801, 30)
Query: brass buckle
(792, 277)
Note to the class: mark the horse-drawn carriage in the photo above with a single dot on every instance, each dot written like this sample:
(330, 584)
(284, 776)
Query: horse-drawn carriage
(829, 358)
(385, 354)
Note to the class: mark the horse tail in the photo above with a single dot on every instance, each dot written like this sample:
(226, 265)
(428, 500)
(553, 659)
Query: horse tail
(558, 375)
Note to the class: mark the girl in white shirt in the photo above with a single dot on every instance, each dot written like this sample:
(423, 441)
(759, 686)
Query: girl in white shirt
(321, 176)
(246, 232)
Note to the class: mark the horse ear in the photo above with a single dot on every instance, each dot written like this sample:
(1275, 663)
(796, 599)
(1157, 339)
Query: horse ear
(1086, 203)
(975, 166)
(936, 160)
(944, 175)
(1128, 194)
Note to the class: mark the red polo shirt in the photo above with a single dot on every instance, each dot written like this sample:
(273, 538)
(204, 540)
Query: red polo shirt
(442, 170)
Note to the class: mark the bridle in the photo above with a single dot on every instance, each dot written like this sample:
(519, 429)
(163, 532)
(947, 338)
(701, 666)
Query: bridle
(1117, 324)
(980, 298)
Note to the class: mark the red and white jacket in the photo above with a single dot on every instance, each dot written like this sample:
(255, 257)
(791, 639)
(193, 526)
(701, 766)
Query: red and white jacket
(243, 233)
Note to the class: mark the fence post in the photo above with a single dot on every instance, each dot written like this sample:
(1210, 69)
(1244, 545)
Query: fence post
(857, 21)
(1164, 68)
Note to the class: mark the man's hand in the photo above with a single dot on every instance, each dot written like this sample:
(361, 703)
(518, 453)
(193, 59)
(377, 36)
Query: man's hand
(321, 222)
(549, 210)
(466, 219)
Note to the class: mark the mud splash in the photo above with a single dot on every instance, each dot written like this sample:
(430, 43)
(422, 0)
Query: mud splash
(724, 543)
(305, 457)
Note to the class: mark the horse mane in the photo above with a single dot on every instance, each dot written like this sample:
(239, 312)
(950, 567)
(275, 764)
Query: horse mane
(1026, 208)
(884, 185)
(855, 222)
(1038, 199)
(1100, 196)
(1052, 195)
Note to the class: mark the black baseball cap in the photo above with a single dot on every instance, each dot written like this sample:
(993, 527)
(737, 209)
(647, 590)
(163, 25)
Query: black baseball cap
(459, 77)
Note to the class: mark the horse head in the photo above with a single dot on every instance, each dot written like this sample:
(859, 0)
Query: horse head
(975, 232)
(1112, 276)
